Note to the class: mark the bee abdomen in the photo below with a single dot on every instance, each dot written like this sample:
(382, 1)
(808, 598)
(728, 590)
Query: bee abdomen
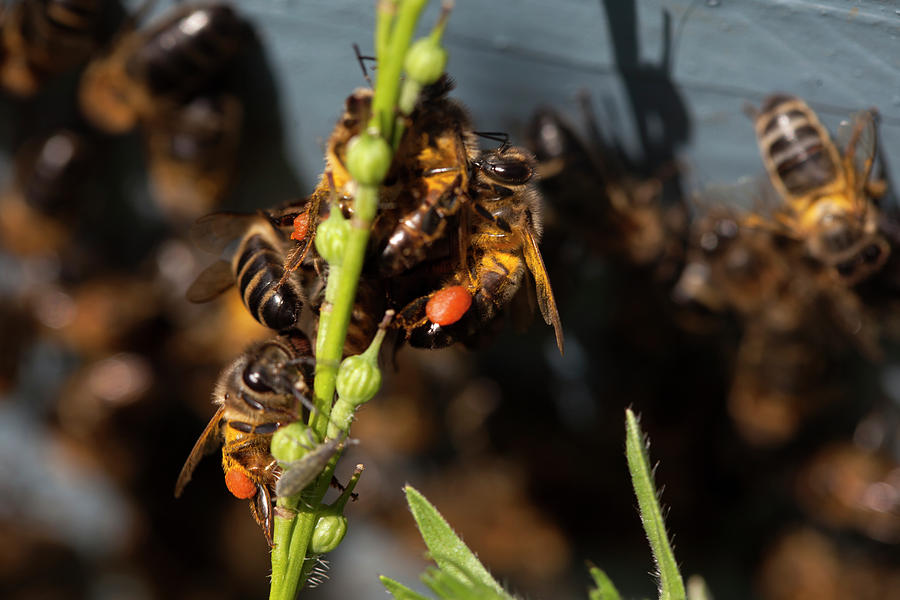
(408, 245)
(258, 270)
(795, 145)
(184, 56)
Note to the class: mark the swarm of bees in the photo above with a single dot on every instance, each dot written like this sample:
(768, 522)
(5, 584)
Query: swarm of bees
(168, 79)
(454, 222)
(454, 246)
(791, 287)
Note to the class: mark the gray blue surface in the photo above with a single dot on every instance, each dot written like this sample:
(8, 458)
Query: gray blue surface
(510, 56)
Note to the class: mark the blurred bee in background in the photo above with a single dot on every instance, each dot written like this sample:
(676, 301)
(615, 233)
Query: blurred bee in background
(829, 200)
(849, 487)
(795, 322)
(258, 393)
(161, 68)
(50, 173)
(191, 152)
(590, 184)
(43, 38)
(500, 230)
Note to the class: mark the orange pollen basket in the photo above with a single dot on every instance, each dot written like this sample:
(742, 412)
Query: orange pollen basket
(239, 484)
(448, 305)
(301, 226)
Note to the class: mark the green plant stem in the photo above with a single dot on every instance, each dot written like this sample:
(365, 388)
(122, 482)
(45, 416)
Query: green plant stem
(396, 22)
(390, 65)
(385, 10)
(671, 585)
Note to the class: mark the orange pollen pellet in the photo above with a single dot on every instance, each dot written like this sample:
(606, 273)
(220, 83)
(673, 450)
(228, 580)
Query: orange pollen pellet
(447, 306)
(239, 484)
(301, 227)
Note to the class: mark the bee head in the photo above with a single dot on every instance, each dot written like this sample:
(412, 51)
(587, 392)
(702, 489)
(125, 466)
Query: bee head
(506, 165)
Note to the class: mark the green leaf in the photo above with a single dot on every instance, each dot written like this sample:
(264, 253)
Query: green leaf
(671, 586)
(450, 587)
(604, 590)
(400, 591)
(447, 550)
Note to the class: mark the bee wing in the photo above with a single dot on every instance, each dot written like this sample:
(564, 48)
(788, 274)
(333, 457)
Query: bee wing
(209, 440)
(214, 280)
(544, 292)
(756, 193)
(214, 232)
(858, 137)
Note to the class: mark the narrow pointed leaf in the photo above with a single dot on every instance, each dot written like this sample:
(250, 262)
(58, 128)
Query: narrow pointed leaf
(400, 591)
(671, 585)
(447, 550)
(604, 588)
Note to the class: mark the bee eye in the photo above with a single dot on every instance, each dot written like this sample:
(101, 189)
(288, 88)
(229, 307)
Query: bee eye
(253, 379)
(508, 170)
(871, 253)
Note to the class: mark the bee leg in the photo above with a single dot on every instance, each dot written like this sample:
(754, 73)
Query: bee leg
(875, 188)
(339, 487)
(261, 509)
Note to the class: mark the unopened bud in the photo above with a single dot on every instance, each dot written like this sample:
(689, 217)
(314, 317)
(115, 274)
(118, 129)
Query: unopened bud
(425, 61)
(291, 442)
(368, 158)
(331, 237)
(328, 533)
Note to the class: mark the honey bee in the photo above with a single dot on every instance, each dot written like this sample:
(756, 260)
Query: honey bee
(830, 200)
(161, 67)
(42, 38)
(272, 294)
(440, 146)
(795, 322)
(848, 487)
(258, 393)
(501, 227)
(627, 216)
(191, 153)
(50, 173)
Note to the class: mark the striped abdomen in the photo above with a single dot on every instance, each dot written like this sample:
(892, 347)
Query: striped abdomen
(409, 243)
(796, 149)
(187, 51)
(258, 269)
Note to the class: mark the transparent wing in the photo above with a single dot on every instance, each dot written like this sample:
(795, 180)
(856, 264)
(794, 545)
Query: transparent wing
(208, 442)
(214, 280)
(213, 233)
(545, 298)
(858, 139)
(754, 193)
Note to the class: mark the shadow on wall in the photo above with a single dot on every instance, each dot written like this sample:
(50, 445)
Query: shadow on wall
(265, 176)
(657, 107)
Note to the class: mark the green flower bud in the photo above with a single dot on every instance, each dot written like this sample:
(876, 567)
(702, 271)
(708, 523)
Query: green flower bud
(329, 531)
(358, 379)
(291, 442)
(425, 61)
(368, 158)
(331, 237)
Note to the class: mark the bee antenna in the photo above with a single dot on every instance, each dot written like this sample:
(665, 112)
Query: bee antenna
(360, 58)
(496, 136)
